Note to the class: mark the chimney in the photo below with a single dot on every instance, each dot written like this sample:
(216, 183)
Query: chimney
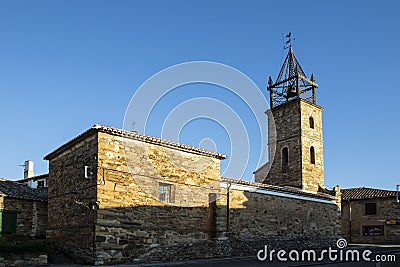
(28, 169)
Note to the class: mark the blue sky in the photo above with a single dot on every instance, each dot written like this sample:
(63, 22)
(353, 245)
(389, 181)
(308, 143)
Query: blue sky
(66, 65)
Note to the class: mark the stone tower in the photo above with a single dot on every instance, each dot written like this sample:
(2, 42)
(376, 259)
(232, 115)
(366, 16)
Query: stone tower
(296, 148)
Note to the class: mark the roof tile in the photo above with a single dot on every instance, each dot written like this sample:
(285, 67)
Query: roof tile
(21, 191)
(140, 137)
(365, 193)
(289, 190)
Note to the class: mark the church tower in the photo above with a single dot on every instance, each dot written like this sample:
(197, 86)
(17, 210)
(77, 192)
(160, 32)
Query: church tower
(296, 148)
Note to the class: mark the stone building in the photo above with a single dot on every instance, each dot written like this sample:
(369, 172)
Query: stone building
(118, 196)
(295, 131)
(111, 209)
(160, 210)
(23, 210)
(370, 215)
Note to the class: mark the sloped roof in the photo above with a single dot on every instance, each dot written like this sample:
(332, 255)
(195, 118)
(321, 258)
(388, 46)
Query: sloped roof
(289, 190)
(34, 178)
(16, 190)
(140, 137)
(365, 193)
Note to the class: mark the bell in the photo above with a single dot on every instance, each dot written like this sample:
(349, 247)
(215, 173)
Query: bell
(291, 91)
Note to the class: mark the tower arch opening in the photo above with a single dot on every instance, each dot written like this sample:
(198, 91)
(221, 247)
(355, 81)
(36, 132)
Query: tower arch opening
(312, 155)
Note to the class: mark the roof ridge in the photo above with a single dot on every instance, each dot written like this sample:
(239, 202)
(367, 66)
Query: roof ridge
(138, 136)
(158, 140)
(371, 188)
(366, 193)
(279, 188)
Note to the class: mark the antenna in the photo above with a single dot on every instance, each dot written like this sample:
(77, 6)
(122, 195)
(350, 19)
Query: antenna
(133, 125)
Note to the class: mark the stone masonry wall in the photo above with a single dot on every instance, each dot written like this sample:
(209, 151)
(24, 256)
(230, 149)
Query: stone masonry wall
(31, 215)
(23, 259)
(387, 209)
(256, 215)
(131, 219)
(293, 132)
(132, 224)
(312, 174)
(288, 128)
(71, 220)
(256, 220)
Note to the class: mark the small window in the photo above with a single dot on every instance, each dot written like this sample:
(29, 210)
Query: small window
(40, 184)
(165, 192)
(285, 156)
(311, 122)
(370, 208)
(8, 222)
(373, 230)
(312, 155)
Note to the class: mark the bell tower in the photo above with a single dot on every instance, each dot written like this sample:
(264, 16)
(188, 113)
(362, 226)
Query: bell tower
(296, 148)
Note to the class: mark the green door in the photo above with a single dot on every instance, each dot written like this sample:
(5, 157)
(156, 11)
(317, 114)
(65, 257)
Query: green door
(8, 224)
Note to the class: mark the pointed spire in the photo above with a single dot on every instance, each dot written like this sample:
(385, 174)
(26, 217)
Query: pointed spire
(291, 82)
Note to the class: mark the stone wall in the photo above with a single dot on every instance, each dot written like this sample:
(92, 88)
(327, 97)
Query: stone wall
(287, 120)
(387, 209)
(133, 224)
(71, 219)
(31, 215)
(261, 215)
(23, 259)
(292, 123)
(312, 173)
(131, 218)
(232, 247)
(157, 232)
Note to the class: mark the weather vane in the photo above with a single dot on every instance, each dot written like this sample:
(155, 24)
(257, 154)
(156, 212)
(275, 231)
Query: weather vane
(289, 40)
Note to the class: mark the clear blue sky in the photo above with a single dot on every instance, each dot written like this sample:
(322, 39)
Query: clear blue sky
(66, 65)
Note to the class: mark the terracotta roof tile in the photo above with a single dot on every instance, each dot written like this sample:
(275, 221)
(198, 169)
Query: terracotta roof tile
(365, 193)
(21, 191)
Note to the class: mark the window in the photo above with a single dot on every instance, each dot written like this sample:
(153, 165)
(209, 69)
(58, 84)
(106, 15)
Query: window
(40, 184)
(370, 209)
(311, 122)
(373, 230)
(312, 155)
(285, 156)
(165, 192)
(8, 222)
